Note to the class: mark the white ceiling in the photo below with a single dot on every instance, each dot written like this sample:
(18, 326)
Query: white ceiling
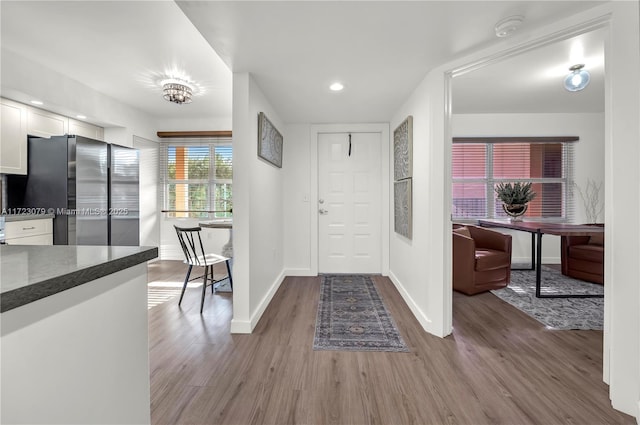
(533, 82)
(294, 50)
(119, 48)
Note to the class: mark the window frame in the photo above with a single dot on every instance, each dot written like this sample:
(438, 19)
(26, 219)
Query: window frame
(489, 181)
(211, 181)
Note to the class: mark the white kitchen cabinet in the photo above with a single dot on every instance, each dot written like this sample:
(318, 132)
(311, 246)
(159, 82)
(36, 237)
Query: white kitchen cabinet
(13, 137)
(84, 129)
(46, 124)
(29, 232)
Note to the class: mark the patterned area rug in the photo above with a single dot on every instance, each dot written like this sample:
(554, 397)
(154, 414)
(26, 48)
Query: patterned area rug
(352, 317)
(555, 313)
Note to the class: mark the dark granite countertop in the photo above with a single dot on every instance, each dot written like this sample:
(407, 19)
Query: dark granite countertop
(29, 273)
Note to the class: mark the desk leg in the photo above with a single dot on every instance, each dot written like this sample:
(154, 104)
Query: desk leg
(533, 251)
(538, 263)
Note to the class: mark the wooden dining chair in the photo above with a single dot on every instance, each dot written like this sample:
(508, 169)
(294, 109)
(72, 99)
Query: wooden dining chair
(195, 256)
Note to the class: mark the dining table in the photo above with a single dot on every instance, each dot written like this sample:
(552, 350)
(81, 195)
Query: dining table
(227, 223)
(537, 229)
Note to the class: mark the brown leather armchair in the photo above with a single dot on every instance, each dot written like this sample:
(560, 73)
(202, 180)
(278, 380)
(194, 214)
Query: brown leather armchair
(582, 257)
(481, 259)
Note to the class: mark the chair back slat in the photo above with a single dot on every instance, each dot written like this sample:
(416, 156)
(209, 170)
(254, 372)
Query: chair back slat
(191, 243)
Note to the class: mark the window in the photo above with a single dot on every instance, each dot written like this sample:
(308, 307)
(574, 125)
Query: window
(197, 179)
(479, 164)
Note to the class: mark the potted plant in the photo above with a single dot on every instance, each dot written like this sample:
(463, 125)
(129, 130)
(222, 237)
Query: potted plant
(515, 197)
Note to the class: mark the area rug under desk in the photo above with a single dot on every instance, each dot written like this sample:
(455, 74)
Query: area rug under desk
(352, 317)
(556, 313)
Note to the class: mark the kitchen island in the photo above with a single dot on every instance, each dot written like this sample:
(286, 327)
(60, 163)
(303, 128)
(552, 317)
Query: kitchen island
(74, 334)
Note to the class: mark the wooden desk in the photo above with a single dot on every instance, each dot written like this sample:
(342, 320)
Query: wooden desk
(537, 229)
(227, 249)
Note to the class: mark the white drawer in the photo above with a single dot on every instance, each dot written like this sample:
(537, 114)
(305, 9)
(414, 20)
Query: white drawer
(46, 239)
(19, 229)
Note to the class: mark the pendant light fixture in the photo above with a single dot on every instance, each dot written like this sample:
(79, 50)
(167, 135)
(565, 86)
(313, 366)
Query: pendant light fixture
(577, 79)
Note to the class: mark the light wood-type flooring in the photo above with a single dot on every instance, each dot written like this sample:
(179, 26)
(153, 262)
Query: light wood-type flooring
(498, 367)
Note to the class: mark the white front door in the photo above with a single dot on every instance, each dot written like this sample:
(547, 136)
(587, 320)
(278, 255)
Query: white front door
(349, 203)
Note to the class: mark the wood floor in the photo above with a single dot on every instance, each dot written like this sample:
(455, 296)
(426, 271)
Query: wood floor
(498, 367)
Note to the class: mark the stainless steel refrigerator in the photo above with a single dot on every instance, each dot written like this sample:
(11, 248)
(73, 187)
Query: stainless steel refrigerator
(90, 186)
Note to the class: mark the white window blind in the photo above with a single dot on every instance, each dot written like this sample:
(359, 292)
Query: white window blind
(479, 164)
(196, 178)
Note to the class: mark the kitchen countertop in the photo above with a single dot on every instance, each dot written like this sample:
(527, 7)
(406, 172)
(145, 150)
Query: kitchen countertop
(31, 272)
(22, 217)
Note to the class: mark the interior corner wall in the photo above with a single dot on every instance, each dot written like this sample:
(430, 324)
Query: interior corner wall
(298, 206)
(622, 238)
(588, 164)
(416, 264)
(149, 205)
(258, 203)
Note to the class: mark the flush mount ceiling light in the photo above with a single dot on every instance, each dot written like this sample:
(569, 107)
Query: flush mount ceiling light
(577, 79)
(177, 91)
(508, 25)
(336, 87)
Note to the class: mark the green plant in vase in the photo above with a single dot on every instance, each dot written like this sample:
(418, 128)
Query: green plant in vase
(515, 198)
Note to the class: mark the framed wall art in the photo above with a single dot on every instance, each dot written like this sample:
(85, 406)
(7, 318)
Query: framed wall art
(402, 207)
(402, 150)
(269, 141)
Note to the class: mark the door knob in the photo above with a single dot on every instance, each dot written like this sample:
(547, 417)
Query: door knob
(321, 201)
(322, 211)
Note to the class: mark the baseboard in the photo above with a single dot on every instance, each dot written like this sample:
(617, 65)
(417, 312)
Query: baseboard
(298, 272)
(426, 323)
(264, 303)
(240, 327)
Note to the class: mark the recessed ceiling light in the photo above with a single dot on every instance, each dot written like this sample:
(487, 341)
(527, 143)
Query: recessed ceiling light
(37, 102)
(82, 117)
(336, 87)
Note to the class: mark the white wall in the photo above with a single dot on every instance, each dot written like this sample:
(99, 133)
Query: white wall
(257, 209)
(622, 238)
(149, 205)
(298, 206)
(416, 264)
(212, 239)
(589, 157)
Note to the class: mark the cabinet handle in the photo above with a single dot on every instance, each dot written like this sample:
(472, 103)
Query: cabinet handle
(28, 228)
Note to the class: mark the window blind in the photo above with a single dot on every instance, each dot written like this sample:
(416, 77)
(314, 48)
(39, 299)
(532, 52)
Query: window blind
(196, 178)
(477, 167)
